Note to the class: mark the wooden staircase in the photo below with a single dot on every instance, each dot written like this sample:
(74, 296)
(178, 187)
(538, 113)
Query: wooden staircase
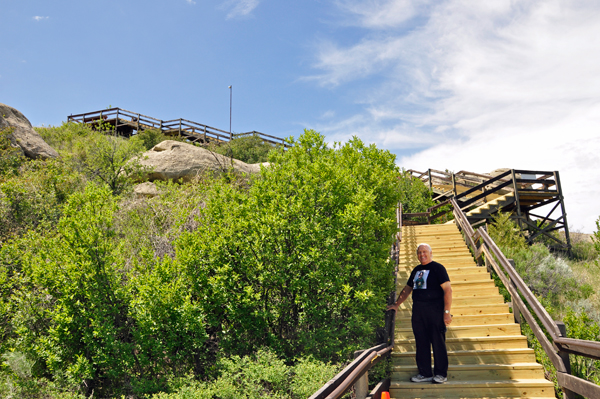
(488, 355)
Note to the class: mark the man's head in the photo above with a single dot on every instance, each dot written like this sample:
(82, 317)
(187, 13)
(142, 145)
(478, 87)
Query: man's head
(424, 253)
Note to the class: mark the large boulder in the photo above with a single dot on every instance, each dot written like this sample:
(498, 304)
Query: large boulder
(23, 135)
(174, 160)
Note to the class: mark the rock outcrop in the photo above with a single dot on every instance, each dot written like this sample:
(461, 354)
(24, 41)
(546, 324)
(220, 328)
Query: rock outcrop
(146, 189)
(23, 135)
(174, 160)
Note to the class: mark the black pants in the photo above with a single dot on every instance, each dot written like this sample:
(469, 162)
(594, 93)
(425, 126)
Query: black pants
(430, 331)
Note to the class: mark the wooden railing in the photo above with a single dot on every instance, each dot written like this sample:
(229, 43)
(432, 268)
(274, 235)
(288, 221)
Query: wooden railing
(470, 190)
(557, 346)
(193, 131)
(355, 374)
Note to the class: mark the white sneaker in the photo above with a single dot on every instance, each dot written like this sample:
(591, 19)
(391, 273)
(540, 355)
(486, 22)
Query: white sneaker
(438, 379)
(420, 378)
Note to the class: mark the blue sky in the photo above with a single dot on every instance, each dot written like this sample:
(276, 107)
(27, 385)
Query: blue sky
(458, 85)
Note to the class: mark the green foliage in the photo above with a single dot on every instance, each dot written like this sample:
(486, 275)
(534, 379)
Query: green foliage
(262, 375)
(505, 232)
(101, 157)
(132, 296)
(298, 262)
(581, 326)
(19, 382)
(596, 239)
(414, 194)
(11, 157)
(34, 196)
(249, 149)
(96, 324)
(150, 137)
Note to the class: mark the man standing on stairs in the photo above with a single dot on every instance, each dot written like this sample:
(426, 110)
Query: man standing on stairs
(432, 299)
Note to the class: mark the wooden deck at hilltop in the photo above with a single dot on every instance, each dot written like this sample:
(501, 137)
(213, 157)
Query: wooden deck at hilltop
(127, 123)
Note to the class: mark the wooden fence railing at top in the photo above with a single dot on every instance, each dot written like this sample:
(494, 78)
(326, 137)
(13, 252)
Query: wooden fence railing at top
(558, 346)
(183, 127)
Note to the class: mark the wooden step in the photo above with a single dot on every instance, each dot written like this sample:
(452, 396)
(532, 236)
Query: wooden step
(454, 276)
(478, 372)
(473, 290)
(487, 353)
(470, 320)
(472, 269)
(447, 256)
(471, 357)
(460, 285)
(404, 331)
(466, 389)
(480, 309)
(464, 301)
(465, 344)
(458, 262)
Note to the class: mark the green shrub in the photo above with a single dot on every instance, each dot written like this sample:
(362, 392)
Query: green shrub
(91, 320)
(249, 149)
(100, 156)
(298, 262)
(150, 137)
(262, 375)
(11, 157)
(35, 195)
(581, 326)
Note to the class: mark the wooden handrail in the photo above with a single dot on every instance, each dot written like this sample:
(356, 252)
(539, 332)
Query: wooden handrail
(516, 287)
(185, 127)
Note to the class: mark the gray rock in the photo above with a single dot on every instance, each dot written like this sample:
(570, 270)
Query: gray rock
(23, 135)
(146, 189)
(174, 160)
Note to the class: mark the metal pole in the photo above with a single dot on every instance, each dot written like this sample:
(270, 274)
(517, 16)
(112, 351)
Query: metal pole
(230, 101)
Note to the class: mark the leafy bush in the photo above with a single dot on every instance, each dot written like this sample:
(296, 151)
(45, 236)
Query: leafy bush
(298, 262)
(11, 157)
(262, 375)
(35, 195)
(249, 149)
(126, 296)
(505, 232)
(581, 326)
(414, 194)
(95, 323)
(101, 157)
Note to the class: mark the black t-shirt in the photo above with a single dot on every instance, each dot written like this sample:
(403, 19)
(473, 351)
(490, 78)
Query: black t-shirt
(426, 281)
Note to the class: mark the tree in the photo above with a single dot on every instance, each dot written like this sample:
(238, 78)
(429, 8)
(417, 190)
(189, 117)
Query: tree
(299, 262)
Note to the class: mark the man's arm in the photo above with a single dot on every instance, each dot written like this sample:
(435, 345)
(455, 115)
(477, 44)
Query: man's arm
(401, 298)
(447, 302)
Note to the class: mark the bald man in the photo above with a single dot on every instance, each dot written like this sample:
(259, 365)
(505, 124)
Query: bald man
(432, 300)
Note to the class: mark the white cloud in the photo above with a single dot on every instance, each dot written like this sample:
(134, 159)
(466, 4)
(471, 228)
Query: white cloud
(190, 2)
(381, 14)
(240, 8)
(482, 85)
(39, 18)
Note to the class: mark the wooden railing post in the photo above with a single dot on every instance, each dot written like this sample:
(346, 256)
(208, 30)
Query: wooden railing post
(515, 307)
(430, 182)
(361, 386)
(568, 394)
(454, 184)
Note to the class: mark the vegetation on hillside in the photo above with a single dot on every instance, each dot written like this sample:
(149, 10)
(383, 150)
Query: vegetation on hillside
(563, 284)
(106, 294)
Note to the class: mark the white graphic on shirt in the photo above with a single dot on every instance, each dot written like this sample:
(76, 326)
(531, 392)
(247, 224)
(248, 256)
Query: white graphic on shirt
(420, 280)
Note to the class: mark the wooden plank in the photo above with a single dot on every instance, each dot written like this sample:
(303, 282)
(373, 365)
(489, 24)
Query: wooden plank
(578, 385)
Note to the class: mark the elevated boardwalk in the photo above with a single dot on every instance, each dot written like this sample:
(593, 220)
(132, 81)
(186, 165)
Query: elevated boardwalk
(127, 123)
(533, 198)
(488, 355)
